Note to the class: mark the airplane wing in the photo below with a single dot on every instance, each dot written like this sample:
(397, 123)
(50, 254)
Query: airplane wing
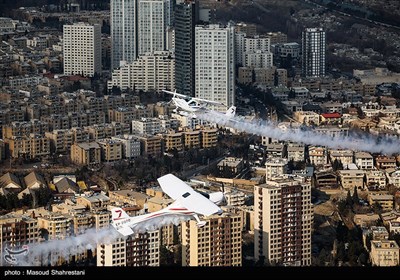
(187, 197)
(176, 94)
(211, 102)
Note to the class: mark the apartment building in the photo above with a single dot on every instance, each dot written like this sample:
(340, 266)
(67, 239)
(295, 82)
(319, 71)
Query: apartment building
(352, 178)
(209, 137)
(32, 146)
(111, 150)
(173, 140)
(150, 144)
(58, 226)
(130, 145)
(364, 160)
(24, 128)
(318, 155)
(283, 218)
(385, 162)
(61, 140)
(148, 126)
(275, 167)
(16, 231)
(375, 178)
(154, 71)
(344, 156)
(82, 49)
(95, 202)
(218, 243)
(385, 200)
(87, 153)
(215, 63)
(384, 253)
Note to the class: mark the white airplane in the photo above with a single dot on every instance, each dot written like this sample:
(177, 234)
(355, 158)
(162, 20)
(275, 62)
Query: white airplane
(187, 105)
(187, 202)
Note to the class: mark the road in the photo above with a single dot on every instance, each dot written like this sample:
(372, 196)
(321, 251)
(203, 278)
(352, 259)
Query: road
(353, 16)
(191, 173)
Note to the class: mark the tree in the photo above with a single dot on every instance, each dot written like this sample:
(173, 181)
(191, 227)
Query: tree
(166, 256)
(337, 165)
(356, 199)
(349, 200)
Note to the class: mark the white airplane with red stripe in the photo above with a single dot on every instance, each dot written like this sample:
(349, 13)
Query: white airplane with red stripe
(188, 203)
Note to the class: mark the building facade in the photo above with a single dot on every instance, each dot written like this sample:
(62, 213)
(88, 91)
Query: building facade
(82, 49)
(185, 18)
(123, 31)
(283, 218)
(215, 64)
(314, 52)
(218, 243)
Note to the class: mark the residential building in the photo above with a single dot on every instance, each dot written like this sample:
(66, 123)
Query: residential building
(153, 18)
(82, 49)
(128, 197)
(352, 178)
(143, 249)
(33, 146)
(385, 162)
(231, 166)
(173, 140)
(364, 160)
(344, 156)
(95, 202)
(58, 226)
(209, 137)
(218, 243)
(88, 153)
(111, 150)
(375, 178)
(295, 152)
(326, 180)
(151, 71)
(215, 64)
(283, 218)
(275, 167)
(306, 117)
(384, 253)
(318, 155)
(130, 145)
(185, 18)
(123, 20)
(61, 140)
(16, 231)
(150, 126)
(112, 254)
(314, 52)
(384, 200)
(150, 144)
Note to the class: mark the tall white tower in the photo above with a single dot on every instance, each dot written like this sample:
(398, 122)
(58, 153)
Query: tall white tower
(153, 18)
(82, 49)
(215, 63)
(123, 31)
(314, 52)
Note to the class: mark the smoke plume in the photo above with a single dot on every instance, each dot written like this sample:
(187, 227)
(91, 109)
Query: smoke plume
(48, 252)
(369, 143)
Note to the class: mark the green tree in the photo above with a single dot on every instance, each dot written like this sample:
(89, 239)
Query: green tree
(356, 199)
(166, 256)
(27, 200)
(349, 199)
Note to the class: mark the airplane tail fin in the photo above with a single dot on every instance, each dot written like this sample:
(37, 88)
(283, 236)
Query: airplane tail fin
(231, 111)
(118, 214)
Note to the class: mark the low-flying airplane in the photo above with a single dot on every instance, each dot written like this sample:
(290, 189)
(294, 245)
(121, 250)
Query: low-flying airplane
(187, 105)
(188, 202)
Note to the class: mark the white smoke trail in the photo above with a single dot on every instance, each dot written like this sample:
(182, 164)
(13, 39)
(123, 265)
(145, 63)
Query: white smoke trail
(48, 253)
(386, 145)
